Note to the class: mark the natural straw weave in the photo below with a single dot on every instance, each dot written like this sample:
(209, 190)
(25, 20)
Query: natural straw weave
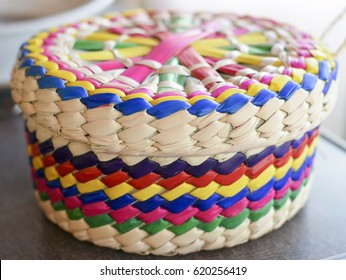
(169, 133)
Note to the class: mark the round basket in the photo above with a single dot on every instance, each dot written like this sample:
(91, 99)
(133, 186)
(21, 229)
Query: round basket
(168, 133)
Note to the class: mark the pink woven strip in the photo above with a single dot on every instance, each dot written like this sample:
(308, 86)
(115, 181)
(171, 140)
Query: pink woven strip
(96, 208)
(123, 214)
(236, 208)
(182, 217)
(169, 47)
(255, 205)
(153, 216)
(210, 214)
(281, 193)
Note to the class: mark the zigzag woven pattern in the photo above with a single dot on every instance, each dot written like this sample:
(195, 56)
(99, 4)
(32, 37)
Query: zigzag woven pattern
(168, 133)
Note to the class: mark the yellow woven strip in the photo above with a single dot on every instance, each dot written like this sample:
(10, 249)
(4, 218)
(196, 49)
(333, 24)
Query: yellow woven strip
(206, 192)
(37, 56)
(90, 186)
(148, 192)
(50, 173)
(194, 99)
(42, 35)
(49, 65)
(254, 88)
(85, 84)
(167, 98)
(34, 48)
(68, 180)
(132, 12)
(212, 43)
(297, 75)
(178, 191)
(233, 189)
(278, 82)
(313, 146)
(137, 95)
(249, 59)
(37, 163)
(107, 90)
(312, 65)
(227, 93)
(118, 190)
(29, 150)
(252, 38)
(102, 36)
(65, 75)
(282, 171)
(211, 52)
(262, 179)
(319, 55)
(35, 42)
(300, 160)
(105, 36)
(108, 55)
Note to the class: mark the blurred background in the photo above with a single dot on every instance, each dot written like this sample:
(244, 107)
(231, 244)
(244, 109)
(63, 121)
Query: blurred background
(21, 18)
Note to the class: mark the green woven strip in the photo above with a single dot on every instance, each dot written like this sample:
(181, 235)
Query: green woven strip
(156, 227)
(86, 45)
(232, 223)
(208, 227)
(43, 196)
(256, 215)
(128, 225)
(59, 206)
(180, 79)
(185, 227)
(98, 221)
(74, 214)
(295, 194)
(253, 49)
(278, 203)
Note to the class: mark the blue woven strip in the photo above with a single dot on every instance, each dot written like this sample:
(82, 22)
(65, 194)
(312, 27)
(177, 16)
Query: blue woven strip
(133, 106)
(234, 103)
(93, 197)
(73, 92)
(50, 82)
(101, 99)
(203, 107)
(35, 71)
(167, 108)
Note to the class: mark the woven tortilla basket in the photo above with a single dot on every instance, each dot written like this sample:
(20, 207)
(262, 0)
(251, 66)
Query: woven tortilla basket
(169, 133)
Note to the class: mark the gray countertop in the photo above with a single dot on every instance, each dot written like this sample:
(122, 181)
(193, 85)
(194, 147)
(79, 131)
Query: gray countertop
(317, 232)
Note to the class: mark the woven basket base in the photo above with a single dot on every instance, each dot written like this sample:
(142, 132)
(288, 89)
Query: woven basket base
(166, 242)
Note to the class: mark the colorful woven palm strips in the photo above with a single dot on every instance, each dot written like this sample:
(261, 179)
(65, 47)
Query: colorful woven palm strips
(168, 133)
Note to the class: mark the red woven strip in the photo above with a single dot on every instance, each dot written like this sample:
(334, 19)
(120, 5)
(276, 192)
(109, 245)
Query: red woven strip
(232, 177)
(283, 160)
(144, 181)
(48, 160)
(115, 179)
(65, 168)
(175, 181)
(87, 174)
(257, 169)
(204, 180)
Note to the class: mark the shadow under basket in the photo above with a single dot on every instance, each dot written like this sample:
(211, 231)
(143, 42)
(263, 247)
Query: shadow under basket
(175, 133)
